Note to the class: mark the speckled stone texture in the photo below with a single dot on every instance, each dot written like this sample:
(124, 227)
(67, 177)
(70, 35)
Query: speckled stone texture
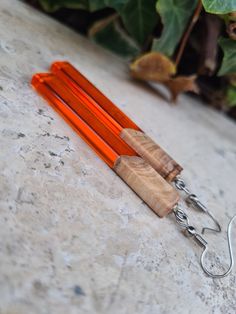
(74, 238)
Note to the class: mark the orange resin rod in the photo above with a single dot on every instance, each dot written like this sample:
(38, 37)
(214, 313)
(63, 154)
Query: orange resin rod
(93, 106)
(89, 103)
(136, 172)
(90, 114)
(68, 74)
(116, 121)
(89, 136)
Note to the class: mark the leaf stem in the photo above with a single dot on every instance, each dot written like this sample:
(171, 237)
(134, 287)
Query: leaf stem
(188, 31)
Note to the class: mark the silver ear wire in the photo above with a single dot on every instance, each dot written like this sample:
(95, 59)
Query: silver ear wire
(230, 254)
(193, 200)
(183, 220)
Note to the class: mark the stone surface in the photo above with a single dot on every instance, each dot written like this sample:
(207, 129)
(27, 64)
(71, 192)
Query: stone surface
(74, 238)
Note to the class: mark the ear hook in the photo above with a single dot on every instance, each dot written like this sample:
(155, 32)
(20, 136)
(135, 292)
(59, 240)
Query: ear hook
(183, 221)
(230, 254)
(193, 200)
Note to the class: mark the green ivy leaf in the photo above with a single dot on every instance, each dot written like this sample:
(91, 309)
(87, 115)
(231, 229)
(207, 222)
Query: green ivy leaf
(231, 96)
(175, 15)
(95, 5)
(53, 5)
(228, 65)
(91, 5)
(118, 5)
(219, 6)
(113, 38)
(139, 18)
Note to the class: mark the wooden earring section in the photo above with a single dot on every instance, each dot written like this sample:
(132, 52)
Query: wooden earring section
(152, 153)
(147, 183)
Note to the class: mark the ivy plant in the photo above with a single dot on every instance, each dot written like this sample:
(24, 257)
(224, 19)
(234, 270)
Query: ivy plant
(195, 38)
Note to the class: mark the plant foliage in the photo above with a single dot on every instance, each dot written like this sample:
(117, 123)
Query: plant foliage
(134, 28)
(174, 23)
(219, 6)
(228, 65)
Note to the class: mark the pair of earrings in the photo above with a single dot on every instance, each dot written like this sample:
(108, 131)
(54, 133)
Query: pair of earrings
(133, 155)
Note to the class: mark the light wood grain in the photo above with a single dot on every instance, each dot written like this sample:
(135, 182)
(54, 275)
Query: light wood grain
(166, 166)
(147, 183)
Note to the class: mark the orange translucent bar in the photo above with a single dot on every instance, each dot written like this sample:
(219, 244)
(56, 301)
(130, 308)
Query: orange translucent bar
(86, 111)
(90, 137)
(93, 106)
(68, 74)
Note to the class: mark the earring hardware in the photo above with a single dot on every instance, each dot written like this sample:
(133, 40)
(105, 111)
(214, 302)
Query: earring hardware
(183, 220)
(194, 201)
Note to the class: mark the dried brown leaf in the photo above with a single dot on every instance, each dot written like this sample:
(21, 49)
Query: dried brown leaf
(181, 84)
(153, 66)
(232, 16)
(231, 30)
